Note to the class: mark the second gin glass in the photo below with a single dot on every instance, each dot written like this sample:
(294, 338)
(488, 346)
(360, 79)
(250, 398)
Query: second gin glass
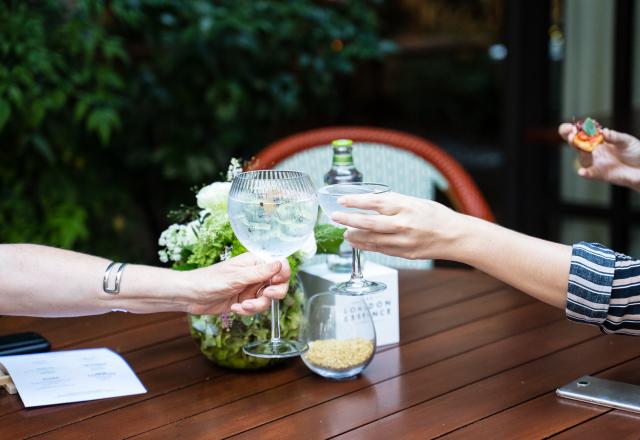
(328, 197)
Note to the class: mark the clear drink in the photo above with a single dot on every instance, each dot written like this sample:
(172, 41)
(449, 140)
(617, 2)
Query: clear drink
(272, 229)
(328, 196)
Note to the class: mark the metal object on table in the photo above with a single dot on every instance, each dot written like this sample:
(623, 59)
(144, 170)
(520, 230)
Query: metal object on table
(603, 392)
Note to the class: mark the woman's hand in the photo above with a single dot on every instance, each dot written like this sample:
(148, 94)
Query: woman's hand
(616, 162)
(408, 227)
(240, 285)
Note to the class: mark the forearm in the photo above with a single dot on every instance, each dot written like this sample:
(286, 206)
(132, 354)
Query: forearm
(45, 281)
(537, 267)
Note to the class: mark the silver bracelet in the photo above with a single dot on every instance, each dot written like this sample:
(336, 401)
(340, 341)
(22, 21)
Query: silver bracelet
(107, 274)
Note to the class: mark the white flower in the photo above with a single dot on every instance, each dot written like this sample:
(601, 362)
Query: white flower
(309, 248)
(235, 168)
(175, 239)
(214, 196)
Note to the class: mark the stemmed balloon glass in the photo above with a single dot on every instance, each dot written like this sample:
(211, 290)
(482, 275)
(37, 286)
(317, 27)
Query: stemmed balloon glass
(273, 213)
(328, 197)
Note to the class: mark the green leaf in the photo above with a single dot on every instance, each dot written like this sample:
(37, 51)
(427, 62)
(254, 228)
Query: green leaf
(43, 147)
(589, 127)
(103, 121)
(329, 238)
(113, 49)
(5, 112)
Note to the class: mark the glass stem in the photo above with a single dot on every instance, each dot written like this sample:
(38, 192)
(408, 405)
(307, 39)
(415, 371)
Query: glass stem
(275, 321)
(356, 266)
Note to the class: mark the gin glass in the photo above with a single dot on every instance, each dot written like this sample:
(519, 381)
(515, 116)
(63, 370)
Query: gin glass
(328, 197)
(273, 213)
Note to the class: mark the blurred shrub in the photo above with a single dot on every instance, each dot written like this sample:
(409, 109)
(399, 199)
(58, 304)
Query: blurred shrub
(110, 111)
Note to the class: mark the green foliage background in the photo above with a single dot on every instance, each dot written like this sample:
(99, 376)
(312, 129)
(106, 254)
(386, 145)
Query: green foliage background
(111, 111)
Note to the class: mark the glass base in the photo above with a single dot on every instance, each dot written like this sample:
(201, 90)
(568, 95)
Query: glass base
(352, 288)
(278, 349)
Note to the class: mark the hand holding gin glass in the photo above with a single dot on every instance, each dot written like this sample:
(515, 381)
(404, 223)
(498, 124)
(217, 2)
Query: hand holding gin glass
(273, 214)
(328, 197)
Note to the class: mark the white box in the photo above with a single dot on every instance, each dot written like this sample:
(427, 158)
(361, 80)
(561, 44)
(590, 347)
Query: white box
(383, 306)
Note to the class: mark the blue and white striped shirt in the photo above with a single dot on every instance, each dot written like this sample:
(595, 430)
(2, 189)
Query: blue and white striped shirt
(604, 289)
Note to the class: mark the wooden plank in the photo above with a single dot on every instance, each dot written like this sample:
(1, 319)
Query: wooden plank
(459, 408)
(172, 404)
(141, 336)
(132, 343)
(160, 381)
(619, 425)
(64, 332)
(417, 326)
(295, 396)
(463, 406)
(349, 411)
(539, 411)
(548, 414)
(454, 290)
(212, 394)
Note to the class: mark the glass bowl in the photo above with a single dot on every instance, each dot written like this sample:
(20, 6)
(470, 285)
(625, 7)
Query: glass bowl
(340, 333)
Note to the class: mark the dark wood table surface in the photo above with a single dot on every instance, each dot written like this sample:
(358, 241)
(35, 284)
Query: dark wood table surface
(477, 360)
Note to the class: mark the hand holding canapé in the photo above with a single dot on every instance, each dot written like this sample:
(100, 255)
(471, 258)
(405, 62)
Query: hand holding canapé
(616, 160)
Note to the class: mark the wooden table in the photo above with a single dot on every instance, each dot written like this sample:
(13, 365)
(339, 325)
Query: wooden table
(477, 360)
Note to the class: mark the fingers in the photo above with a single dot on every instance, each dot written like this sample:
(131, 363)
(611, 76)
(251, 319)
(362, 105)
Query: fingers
(378, 223)
(246, 259)
(567, 131)
(259, 299)
(283, 275)
(392, 244)
(587, 173)
(261, 273)
(585, 159)
(616, 138)
(276, 291)
(277, 272)
(386, 203)
(251, 306)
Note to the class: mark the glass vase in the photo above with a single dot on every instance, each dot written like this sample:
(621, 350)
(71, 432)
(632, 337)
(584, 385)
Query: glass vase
(221, 337)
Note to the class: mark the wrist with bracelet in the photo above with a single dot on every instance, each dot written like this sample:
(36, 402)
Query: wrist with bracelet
(117, 280)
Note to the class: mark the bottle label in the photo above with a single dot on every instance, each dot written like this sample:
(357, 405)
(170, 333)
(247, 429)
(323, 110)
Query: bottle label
(342, 159)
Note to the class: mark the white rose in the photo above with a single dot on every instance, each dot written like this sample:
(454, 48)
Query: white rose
(309, 248)
(214, 196)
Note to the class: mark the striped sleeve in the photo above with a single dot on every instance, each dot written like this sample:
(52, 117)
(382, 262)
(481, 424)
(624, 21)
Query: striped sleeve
(604, 289)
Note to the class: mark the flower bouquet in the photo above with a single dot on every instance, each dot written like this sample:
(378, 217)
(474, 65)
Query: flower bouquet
(203, 236)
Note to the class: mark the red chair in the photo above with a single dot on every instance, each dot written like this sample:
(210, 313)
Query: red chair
(408, 163)
(464, 194)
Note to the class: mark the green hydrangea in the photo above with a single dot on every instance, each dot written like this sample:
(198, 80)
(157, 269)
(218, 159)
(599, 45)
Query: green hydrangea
(214, 236)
